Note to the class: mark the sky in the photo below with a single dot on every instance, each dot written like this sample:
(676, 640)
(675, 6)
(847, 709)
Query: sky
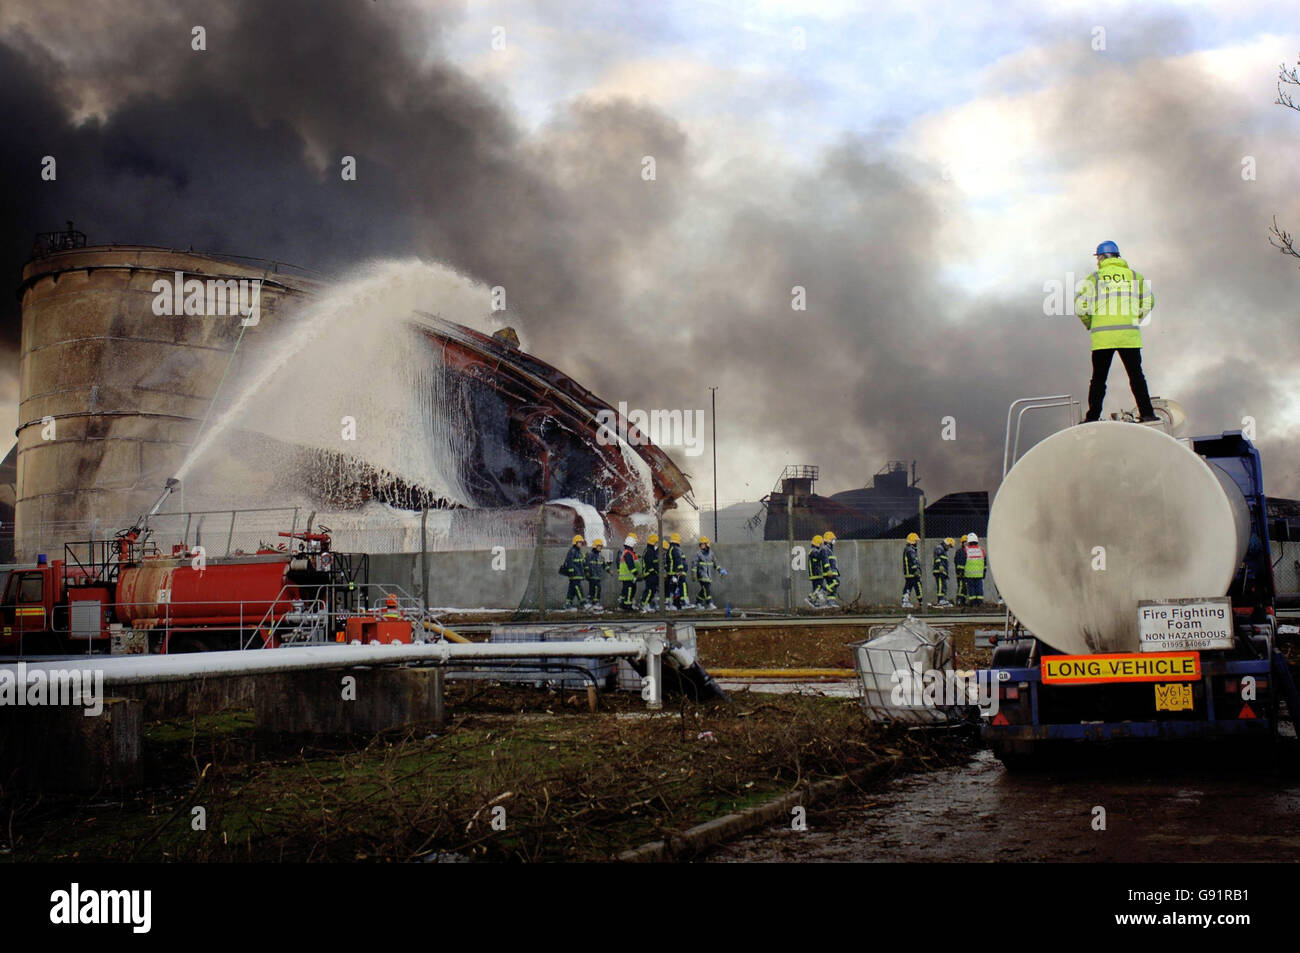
(922, 171)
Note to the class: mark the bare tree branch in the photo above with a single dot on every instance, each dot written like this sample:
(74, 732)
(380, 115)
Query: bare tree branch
(1279, 237)
(1287, 77)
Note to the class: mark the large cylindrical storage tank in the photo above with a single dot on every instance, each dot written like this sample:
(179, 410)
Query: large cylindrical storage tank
(235, 595)
(110, 393)
(1098, 517)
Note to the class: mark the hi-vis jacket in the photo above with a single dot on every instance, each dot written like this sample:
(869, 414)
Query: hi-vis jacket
(973, 567)
(627, 565)
(1111, 302)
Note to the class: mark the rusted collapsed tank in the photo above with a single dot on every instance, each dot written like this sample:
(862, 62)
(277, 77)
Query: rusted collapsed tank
(111, 397)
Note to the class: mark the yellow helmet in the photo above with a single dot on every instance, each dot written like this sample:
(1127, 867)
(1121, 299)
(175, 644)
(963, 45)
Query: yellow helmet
(597, 543)
(913, 538)
(664, 544)
(704, 540)
(675, 538)
(829, 536)
(654, 538)
(578, 540)
(817, 540)
(948, 541)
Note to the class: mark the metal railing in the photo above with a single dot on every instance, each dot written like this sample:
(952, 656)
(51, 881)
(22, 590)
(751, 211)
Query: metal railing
(1011, 452)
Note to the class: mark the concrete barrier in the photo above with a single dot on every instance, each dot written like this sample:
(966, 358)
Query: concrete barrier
(58, 748)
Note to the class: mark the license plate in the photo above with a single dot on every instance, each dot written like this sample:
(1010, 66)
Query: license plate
(1176, 696)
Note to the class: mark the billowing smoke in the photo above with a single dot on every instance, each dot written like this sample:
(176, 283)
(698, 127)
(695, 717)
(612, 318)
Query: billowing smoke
(649, 292)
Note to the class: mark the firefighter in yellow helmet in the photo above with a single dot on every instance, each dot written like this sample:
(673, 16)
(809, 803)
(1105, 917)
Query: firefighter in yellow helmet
(650, 574)
(830, 568)
(595, 567)
(912, 572)
(676, 569)
(816, 573)
(959, 570)
(575, 569)
(704, 567)
(939, 569)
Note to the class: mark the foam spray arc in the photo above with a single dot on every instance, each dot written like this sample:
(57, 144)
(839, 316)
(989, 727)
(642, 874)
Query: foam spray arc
(362, 321)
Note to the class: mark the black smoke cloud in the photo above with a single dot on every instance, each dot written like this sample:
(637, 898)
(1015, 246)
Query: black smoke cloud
(646, 292)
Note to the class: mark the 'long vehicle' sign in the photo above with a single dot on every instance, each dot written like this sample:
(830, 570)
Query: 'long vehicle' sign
(1123, 667)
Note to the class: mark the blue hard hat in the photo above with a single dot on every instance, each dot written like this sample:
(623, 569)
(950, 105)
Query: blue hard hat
(1107, 248)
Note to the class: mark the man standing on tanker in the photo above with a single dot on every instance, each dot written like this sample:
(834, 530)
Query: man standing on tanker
(1112, 303)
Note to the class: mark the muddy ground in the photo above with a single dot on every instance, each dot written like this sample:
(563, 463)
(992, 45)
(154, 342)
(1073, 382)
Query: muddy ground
(570, 784)
(1201, 805)
(561, 783)
(820, 646)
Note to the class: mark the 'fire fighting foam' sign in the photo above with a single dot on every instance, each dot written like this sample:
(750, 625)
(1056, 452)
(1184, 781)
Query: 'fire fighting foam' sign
(1185, 625)
(1083, 669)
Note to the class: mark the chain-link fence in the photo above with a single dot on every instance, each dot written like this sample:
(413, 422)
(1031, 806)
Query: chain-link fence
(513, 560)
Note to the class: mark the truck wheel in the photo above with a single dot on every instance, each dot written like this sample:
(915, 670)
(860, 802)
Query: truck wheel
(1016, 762)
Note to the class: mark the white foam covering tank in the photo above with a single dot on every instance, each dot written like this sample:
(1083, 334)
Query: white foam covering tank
(1164, 522)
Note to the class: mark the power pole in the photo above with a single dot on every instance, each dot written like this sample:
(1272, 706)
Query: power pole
(713, 397)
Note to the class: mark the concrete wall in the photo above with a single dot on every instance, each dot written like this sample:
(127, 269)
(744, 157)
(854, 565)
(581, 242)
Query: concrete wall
(870, 573)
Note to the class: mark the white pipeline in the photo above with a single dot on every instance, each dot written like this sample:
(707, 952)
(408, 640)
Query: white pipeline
(137, 669)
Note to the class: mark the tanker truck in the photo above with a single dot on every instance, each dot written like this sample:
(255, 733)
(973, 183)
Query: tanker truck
(124, 595)
(1135, 567)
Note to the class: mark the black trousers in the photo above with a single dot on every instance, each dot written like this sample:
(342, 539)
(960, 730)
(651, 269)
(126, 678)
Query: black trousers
(1137, 382)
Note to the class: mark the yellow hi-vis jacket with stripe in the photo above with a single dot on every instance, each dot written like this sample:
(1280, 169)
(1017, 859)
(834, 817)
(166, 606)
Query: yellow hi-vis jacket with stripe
(1111, 302)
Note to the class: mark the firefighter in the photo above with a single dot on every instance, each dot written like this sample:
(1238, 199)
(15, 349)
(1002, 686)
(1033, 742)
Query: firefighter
(650, 574)
(974, 570)
(912, 572)
(705, 564)
(939, 568)
(1112, 303)
(830, 568)
(663, 568)
(816, 572)
(628, 572)
(595, 568)
(391, 610)
(575, 569)
(676, 570)
(959, 571)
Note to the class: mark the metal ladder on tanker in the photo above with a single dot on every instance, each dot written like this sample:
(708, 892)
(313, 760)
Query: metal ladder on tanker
(1011, 451)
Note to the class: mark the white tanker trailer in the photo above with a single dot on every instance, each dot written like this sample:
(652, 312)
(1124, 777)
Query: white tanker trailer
(1136, 572)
